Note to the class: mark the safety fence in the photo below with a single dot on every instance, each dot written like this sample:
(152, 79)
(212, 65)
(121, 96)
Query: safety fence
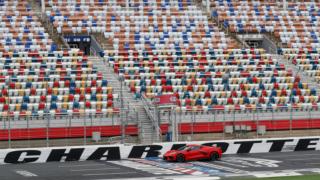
(175, 125)
(246, 123)
(62, 129)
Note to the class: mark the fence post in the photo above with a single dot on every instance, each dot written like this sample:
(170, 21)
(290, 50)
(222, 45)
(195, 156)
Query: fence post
(257, 123)
(69, 128)
(290, 130)
(139, 124)
(9, 133)
(47, 130)
(310, 121)
(224, 125)
(234, 118)
(175, 138)
(28, 131)
(272, 120)
(170, 120)
(258, 117)
(155, 115)
(158, 135)
(85, 130)
(179, 125)
(192, 123)
(121, 79)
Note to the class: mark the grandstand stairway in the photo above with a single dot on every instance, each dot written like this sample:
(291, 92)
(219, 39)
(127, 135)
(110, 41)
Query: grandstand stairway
(104, 43)
(106, 71)
(54, 34)
(35, 5)
(296, 72)
(304, 77)
(274, 39)
(52, 31)
(107, 46)
(233, 36)
(145, 127)
(241, 43)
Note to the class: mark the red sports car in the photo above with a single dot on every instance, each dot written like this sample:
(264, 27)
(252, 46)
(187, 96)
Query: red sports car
(193, 152)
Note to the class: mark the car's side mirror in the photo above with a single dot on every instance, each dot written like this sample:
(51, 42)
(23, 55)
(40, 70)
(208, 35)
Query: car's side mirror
(188, 150)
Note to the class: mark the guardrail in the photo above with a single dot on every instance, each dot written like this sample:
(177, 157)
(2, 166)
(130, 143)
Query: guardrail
(152, 115)
(95, 47)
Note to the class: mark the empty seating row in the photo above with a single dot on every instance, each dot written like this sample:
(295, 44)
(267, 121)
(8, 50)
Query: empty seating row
(21, 30)
(305, 59)
(54, 106)
(237, 93)
(167, 80)
(295, 23)
(140, 25)
(250, 107)
(225, 87)
(59, 81)
(260, 80)
(53, 98)
(247, 100)
(21, 91)
(56, 113)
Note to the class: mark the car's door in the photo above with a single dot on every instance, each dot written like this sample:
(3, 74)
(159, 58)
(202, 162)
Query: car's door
(204, 152)
(194, 153)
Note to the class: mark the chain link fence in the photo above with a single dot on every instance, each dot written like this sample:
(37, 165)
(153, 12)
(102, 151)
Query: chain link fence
(64, 130)
(195, 125)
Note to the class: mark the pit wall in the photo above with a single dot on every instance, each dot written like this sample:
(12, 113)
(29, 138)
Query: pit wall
(119, 151)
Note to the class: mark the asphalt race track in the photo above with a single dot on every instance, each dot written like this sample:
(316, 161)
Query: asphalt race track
(230, 167)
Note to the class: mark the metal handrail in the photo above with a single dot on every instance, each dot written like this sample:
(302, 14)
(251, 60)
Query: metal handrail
(147, 106)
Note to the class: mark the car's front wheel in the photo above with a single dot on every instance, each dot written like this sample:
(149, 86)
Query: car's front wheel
(181, 158)
(214, 156)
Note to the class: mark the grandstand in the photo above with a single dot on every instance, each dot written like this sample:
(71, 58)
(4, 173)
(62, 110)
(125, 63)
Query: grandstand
(71, 68)
(293, 24)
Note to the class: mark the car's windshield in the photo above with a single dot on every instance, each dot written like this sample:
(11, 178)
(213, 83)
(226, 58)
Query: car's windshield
(184, 148)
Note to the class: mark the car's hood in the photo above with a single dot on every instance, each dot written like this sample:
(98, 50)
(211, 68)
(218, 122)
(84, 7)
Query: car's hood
(171, 152)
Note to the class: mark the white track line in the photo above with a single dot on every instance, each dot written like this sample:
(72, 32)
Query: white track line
(316, 171)
(282, 156)
(303, 159)
(25, 173)
(106, 174)
(152, 169)
(275, 174)
(99, 169)
(314, 163)
(221, 167)
(80, 165)
(231, 164)
(172, 178)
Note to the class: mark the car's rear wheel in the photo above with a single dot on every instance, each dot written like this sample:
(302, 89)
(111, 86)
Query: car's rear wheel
(181, 158)
(214, 156)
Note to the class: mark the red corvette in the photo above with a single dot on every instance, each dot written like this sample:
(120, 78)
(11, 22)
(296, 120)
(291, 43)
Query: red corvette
(193, 152)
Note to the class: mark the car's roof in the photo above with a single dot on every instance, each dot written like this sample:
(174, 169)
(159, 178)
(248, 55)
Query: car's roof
(193, 145)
